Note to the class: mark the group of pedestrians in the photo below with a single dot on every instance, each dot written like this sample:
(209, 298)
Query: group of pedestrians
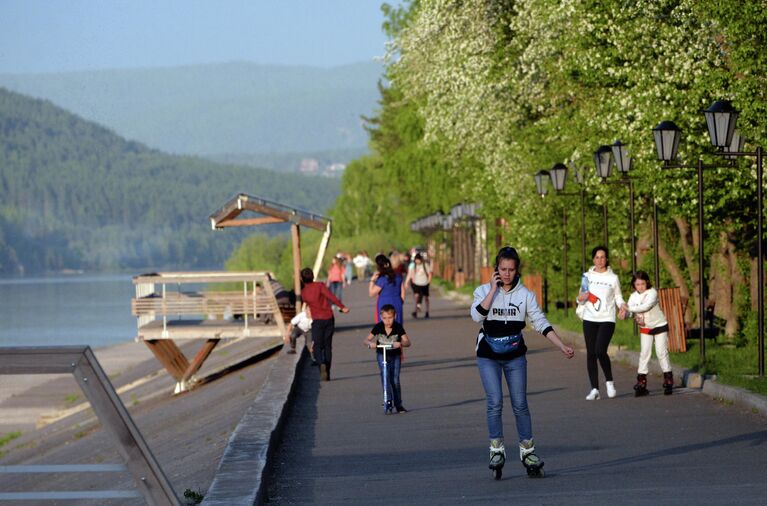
(501, 307)
(599, 302)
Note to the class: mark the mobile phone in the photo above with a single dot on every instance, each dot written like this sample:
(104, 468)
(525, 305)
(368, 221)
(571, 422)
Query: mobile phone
(499, 282)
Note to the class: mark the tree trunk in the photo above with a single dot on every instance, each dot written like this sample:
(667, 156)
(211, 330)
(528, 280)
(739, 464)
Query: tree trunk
(688, 242)
(676, 275)
(724, 282)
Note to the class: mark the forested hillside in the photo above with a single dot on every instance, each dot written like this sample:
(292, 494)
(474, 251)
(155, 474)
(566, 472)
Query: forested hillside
(73, 195)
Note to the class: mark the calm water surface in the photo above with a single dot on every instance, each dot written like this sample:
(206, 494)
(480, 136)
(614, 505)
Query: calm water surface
(67, 310)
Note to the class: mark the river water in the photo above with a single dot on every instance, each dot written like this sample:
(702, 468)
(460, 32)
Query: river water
(67, 310)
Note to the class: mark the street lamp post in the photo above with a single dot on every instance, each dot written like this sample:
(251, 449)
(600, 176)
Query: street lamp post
(558, 177)
(720, 119)
(604, 158)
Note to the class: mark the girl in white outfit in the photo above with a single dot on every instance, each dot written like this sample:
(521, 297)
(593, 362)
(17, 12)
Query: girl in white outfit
(600, 300)
(653, 328)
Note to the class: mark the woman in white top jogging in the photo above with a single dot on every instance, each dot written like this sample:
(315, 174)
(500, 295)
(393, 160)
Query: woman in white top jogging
(601, 299)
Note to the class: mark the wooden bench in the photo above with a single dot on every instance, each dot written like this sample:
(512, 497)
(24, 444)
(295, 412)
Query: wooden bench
(672, 306)
(168, 310)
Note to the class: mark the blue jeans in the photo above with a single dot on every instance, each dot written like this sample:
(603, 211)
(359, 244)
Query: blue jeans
(337, 289)
(393, 389)
(515, 371)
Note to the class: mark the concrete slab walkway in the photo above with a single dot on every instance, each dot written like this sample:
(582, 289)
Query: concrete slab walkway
(339, 448)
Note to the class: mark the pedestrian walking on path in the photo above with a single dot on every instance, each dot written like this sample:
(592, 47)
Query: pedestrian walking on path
(318, 298)
(336, 277)
(388, 287)
(643, 305)
(388, 332)
(600, 299)
(419, 277)
(501, 306)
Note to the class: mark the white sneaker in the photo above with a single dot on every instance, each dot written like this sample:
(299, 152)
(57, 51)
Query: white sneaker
(611, 389)
(593, 395)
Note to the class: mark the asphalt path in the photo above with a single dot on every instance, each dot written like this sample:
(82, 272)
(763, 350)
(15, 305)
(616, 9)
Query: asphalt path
(337, 446)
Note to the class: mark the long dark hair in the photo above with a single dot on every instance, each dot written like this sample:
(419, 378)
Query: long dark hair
(384, 267)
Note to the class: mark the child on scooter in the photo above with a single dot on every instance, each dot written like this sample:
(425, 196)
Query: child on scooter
(388, 332)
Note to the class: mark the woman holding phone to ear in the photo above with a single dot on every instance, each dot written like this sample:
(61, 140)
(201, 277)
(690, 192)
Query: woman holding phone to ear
(502, 306)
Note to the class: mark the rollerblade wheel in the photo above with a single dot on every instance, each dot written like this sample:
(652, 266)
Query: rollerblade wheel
(533, 472)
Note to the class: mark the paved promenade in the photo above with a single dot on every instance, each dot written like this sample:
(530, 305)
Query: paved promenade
(339, 448)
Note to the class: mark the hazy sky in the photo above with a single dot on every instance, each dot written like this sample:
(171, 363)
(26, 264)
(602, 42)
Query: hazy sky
(62, 35)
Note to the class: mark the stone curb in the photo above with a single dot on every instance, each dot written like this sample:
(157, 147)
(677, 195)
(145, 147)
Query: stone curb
(241, 475)
(683, 377)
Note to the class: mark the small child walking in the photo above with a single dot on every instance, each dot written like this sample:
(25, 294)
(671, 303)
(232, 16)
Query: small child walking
(389, 332)
(300, 325)
(643, 305)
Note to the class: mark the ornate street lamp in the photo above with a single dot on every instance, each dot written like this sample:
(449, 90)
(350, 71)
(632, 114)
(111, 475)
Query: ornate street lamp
(621, 157)
(720, 120)
(604, 158)
(667, 136)
(602, 161)
(558, 176)
(541, 180)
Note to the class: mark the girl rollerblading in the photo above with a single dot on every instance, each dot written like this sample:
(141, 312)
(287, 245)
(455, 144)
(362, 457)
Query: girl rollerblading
(643, 305)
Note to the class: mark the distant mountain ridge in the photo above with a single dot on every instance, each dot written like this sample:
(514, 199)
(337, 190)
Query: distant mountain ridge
(73, 195)
(239, 107)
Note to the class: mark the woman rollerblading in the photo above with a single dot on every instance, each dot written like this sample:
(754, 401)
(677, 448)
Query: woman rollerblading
(502, 307)
(497, 457)
(529, 459)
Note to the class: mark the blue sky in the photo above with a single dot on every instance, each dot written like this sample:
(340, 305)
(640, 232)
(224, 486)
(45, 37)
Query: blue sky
(66, 35)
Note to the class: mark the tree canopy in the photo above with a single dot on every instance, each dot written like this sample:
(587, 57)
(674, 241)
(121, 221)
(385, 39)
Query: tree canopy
(481, 94)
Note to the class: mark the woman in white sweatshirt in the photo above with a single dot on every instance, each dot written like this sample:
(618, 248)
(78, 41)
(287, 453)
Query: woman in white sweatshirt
(601, 300)
(653, 328)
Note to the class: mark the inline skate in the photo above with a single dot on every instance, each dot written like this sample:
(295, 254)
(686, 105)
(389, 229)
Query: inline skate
(530, 460)
(668, 382)
(497, 457)
(640, 389)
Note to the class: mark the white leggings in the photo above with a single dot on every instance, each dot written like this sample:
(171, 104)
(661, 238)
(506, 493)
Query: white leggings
(661, 350)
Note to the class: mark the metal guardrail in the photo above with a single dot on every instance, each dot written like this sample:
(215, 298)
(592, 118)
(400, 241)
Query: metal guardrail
(80, 361)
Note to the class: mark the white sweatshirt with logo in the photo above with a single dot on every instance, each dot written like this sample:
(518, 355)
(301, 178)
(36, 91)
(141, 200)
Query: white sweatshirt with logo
(606, 286)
